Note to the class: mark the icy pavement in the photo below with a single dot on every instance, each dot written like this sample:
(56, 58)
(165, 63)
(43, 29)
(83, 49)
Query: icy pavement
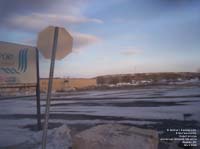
(152, 107)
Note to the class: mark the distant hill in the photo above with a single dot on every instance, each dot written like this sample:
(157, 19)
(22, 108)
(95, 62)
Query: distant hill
(147, 77)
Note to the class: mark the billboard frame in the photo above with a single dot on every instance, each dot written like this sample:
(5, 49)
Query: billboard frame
(37, 89)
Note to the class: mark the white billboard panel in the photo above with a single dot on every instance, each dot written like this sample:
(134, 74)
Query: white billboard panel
(17, 64)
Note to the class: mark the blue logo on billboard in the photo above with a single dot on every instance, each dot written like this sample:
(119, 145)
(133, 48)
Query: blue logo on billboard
(22, 63)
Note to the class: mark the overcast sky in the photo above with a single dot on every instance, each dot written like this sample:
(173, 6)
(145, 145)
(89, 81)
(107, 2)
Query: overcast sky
(111, 36)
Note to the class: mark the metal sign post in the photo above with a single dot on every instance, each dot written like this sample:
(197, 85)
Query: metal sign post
(38, 92)
(53, 56)
(55, 43)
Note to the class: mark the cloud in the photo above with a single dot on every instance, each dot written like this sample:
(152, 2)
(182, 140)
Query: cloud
(130, 52)
(10, 7)
(175, 3)
(84, 40)
(37, 21)
(34, 15)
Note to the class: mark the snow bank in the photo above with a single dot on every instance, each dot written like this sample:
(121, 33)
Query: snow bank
(115, 136)
(57, 138)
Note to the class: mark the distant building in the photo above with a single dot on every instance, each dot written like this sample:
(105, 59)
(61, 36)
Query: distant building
(58, 84)
(81, 83)
(63, 84)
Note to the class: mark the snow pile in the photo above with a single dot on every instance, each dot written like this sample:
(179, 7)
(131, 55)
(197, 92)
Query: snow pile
(115, 136)
(57, 138)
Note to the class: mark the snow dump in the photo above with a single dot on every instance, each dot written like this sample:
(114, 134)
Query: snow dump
(115, 136)
(58, 138)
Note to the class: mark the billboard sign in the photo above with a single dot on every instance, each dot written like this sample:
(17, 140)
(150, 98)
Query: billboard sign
(17, 64)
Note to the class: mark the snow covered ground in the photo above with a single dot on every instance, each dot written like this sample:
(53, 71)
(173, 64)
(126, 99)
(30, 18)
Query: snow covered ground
(153, 107)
